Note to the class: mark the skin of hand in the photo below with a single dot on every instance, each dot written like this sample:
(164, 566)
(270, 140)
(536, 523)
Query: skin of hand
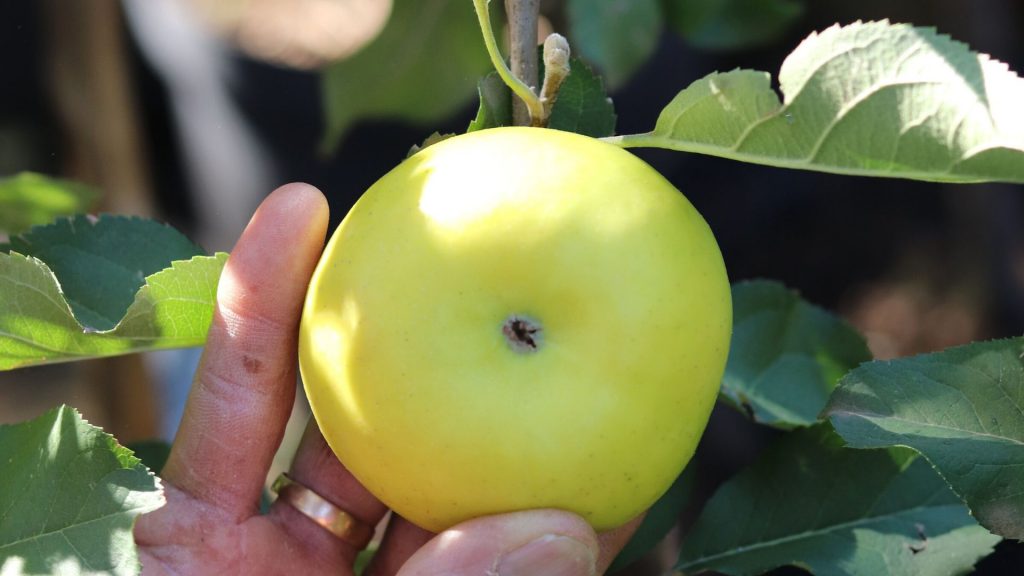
(234, 420)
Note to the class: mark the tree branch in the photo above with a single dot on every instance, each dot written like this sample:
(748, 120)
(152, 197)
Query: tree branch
(522, 24)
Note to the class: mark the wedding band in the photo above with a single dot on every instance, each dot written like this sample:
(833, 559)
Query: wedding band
(320, 510)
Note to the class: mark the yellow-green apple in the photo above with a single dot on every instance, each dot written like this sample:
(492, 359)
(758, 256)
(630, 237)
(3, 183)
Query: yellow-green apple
(517, 318)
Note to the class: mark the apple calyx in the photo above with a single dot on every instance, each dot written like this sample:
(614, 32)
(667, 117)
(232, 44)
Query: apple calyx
(522, 333)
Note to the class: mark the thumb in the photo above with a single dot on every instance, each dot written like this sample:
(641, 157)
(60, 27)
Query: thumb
(530, 543)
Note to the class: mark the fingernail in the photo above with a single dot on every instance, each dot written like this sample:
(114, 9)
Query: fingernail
(549, 555)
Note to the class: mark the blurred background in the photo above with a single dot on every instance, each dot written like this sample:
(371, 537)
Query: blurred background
(191, 111)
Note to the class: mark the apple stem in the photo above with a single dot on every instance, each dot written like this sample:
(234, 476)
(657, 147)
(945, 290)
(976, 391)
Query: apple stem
(535, 110)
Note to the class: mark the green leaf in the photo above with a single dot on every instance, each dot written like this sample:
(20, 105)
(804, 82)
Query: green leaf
(618, 37)
(101, 263)
(731, 24)
(29, 199)
(786, 355)
(422, 67)
(172, 310)
(868, 99)
(660, 519)
(811, 503)
(963, 409)
(495, 104)
(152, 453)
(69, 496)
(434, 138)
(582, 106)
(363, 560)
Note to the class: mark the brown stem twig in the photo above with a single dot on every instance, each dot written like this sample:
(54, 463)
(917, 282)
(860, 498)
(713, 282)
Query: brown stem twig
(522, 24)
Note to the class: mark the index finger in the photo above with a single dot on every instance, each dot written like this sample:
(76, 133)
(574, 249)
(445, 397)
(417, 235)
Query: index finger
(245, 386)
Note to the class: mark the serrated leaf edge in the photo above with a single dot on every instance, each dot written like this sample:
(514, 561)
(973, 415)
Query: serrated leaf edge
(110, 441)
(67, 355)
(95, 220)
(829, 413)
(147, 287)
(654, 140)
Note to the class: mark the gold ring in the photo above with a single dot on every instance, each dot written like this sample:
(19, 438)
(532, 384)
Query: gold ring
(318, 509)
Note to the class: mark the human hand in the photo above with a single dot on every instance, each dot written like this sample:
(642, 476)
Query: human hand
(240, 401)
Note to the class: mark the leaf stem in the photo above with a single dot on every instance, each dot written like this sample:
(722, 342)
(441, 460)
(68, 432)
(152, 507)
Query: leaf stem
(519, 88)
(645, 140)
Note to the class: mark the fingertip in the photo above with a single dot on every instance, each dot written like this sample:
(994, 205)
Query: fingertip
(298, 196)
(273, 259)
(513, 543)
(295, 201)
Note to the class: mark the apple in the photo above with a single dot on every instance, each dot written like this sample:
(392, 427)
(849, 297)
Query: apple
(517, 318)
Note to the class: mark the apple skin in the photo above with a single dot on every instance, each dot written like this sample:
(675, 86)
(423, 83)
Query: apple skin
(410, 373)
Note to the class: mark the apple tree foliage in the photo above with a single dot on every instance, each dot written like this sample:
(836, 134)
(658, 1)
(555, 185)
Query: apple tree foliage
(83, 287)
(910, 466)
(895, 516)
(70, 495)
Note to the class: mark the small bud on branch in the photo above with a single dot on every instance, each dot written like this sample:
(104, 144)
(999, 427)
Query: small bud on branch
(556, 69)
